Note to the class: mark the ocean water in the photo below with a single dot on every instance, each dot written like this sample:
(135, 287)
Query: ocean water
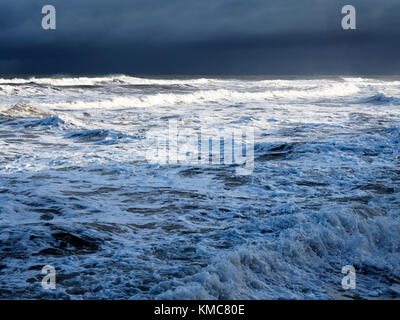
(78, 193)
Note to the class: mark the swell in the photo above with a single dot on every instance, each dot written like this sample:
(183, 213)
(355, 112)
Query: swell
(380, 98)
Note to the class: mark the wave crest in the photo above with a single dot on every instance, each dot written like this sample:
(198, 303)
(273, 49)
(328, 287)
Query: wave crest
(25, 110)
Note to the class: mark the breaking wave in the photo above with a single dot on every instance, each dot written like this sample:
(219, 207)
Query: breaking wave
(326, 241)
(220, 96)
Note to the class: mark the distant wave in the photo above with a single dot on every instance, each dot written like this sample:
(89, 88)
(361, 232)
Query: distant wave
(129, 80)
(93, 81)
(212, 96)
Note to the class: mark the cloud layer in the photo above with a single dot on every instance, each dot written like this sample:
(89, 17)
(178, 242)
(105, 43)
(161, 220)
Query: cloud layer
(200, 37)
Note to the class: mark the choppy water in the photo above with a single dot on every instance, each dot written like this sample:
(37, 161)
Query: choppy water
(76, 192)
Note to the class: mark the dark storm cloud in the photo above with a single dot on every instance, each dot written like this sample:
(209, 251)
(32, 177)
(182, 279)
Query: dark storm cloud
(200, 37)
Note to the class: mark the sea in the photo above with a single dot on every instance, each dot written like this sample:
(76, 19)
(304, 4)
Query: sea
(83, 190)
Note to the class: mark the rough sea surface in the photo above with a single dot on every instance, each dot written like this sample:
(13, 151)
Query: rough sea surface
(76, 192)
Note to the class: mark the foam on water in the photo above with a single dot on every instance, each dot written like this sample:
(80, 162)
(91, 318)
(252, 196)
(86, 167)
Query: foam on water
(77, 191)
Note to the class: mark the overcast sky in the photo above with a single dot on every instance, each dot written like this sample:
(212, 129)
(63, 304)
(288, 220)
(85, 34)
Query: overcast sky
(272, 37)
